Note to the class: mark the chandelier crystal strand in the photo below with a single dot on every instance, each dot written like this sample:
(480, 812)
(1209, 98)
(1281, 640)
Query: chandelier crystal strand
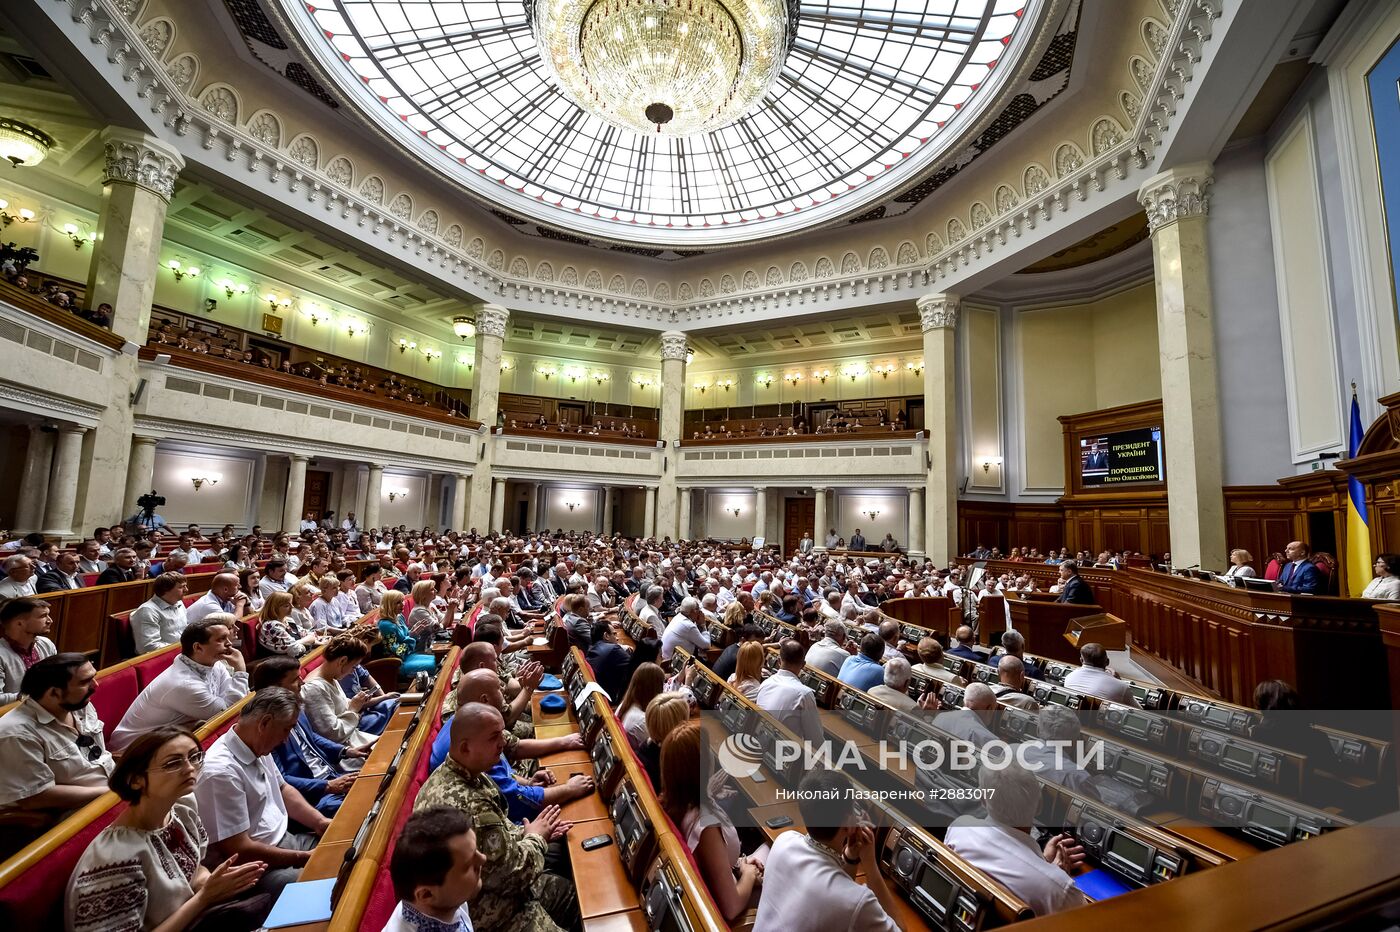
(677, 67)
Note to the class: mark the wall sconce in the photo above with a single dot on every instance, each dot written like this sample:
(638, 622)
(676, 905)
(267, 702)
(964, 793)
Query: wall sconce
(406, 344)
(397, 494)
(689, 357)
(884, 371)
(915, 366)
(792, 378)
(276, 303)
(25, 215)
(989, 461)
(573, 505)
(725, 384)
(356, 328)
(873, 513)
(432, 355)
(463, 327)
(736, 510)
(464, 360)
(547, 371)
(213, 479)
(600, 377)
(643, 381)
(181, 271)
(765, 380)
(701, 387)
(574, 373)
(231, 289)
(315, 312)
(506, 365)
(853, 371)
(821, 375)
(79, 240)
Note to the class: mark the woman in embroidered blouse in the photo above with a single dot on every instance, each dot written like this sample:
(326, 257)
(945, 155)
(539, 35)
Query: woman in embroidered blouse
(143, 871)
(345, 597)
(332, 715)
(326, 611)
(278, 632)
(399, 640)
(303, 594)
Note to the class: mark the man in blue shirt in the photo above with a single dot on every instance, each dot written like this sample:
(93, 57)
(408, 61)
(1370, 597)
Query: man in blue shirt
(863, 670)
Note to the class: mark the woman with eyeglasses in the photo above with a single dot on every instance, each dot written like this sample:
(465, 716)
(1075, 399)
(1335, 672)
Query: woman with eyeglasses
(143, 871)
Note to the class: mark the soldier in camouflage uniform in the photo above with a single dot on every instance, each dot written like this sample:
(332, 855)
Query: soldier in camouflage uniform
(517, 895)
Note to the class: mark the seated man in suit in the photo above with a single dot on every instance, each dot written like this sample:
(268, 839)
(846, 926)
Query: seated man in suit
(1299, 574)
(311, 763)
(1073, 589)
(63, 575)
(123, 568)
(962, 646)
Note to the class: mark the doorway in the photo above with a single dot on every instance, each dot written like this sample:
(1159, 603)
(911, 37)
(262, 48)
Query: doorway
(318, 491)
(799, 515)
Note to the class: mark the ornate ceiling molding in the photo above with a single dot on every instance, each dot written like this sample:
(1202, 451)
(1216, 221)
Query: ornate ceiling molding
(255, 148)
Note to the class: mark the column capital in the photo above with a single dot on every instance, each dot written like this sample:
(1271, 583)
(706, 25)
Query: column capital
(143, 441)
(295, 457)
(1178, 192)
(938, 311)
(374, 466)
(491, 321)
(673, 345)
(462, 476)
(72, 429)
(137, 159)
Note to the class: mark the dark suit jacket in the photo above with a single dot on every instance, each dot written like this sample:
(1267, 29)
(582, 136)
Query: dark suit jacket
(611, 665)
(295, 768)
(114, 574)
(1301, 577)
(1076, 591)
(857, 543)
(967, 653)
(54, 582)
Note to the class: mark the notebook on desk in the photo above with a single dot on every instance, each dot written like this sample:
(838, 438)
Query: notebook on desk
(300, 903)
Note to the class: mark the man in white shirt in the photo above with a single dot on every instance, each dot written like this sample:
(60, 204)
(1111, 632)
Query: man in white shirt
(245, 804)
(1094, 678)
(893, 692)
(600, 594)
(23, 624)
(829, 653)
(830, 605)
(832, 538)
(223, 596)
(809, 880)
(709, 605)
(276, 578)
(790, 700)
(160, 619)
(1001, 845)
(684, 629)
(436, 870)
(649, 610)
(308, 523)
(206, 678)
(19, 582)
(186, 547)
(1010, 688)
(52, 742)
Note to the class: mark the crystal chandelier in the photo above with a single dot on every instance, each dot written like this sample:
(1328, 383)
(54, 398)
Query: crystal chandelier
(668, 66)
(23, 144)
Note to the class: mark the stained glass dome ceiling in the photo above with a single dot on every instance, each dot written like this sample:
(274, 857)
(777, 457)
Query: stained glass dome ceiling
(871, 94)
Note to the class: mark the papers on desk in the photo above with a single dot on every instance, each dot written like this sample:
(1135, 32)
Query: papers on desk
(586, 692)
(1100, 885)
(301, 903)
(540, 642)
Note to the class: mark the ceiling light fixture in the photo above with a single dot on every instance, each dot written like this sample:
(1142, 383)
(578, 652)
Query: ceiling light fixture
(22, 144)
(463, 327)
(664, 65)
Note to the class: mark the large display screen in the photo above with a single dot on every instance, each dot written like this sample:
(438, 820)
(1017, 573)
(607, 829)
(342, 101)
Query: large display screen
(1121, 457)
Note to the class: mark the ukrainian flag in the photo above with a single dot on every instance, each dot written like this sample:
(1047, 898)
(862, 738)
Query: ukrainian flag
(1358, 531)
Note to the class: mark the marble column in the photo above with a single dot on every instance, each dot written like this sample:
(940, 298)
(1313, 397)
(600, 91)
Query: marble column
(938, 315)
(491, 322)
(34, 481)
(819, 519)
(915, 545)
(686, 513)
(296, 494)
(1177, 202)
(138, 178)
(374, 493)
(498, 504)
(673, 353)
(140, 472)
(760, 512)
(532, 509)
(649, 517)
(607, 510)
(63, 482)
(459, 501)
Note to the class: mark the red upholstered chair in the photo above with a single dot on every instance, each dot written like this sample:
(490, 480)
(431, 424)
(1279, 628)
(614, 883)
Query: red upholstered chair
(34, 899)
(248, 635)
(155, 663)
(120, 642)
(312, 664)
(89, 580)
(115, 694)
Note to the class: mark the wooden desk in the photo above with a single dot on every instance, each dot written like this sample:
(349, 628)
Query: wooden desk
(761, 814)
(541, 717)
(602, 883)
(352, 812)
(760, 794)
(587, 809)
(377, 764)
(555, 731)
(842, 730)
(326, 860)
(631, 921)
(565, 757)
(402, 716)
(1043, 624)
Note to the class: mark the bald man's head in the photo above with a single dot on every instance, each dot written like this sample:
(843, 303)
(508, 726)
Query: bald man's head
(481, 685)
(478, 737)
(963, 634)
(979, 698)
(478, 655)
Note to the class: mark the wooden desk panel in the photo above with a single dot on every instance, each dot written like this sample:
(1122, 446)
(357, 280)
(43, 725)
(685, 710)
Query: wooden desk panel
(588, 808)
(565, 757)
(602, 883)
(377, 764)
(541, 717)
(761, 814)
(325, 860)
(352, 812)
(631, 921)
(561, 730)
